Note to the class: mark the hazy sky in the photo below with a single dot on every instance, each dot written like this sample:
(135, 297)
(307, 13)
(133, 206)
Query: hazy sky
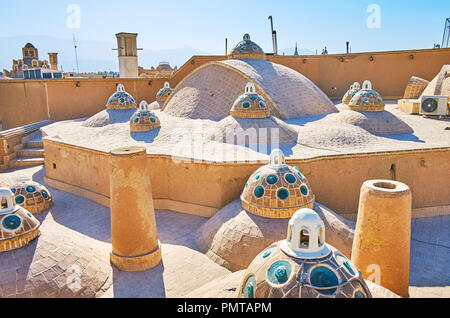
(204, 24)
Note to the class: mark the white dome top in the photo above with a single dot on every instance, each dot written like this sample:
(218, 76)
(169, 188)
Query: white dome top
(367, 85)
(143, 105)
(277, 159)
(6, 200)
(306, 236)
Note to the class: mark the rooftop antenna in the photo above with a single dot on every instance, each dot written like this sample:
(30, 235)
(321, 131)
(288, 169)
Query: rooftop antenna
(274, 37)
(76, 54)
(226, 46)
(348, 47)
(446, 35)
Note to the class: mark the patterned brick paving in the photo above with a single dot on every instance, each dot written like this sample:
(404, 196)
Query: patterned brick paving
(430, 256)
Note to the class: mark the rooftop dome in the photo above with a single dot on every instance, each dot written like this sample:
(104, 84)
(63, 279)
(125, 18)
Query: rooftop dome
(367, 99)
(164, 93)
(121, 99)
(354, 88)
(208, 91)
(32, 196)
(250, 104)
(144, 120)
(247, 49)
(17, 226)
(29, 46)
(303, 266)
(277, 190)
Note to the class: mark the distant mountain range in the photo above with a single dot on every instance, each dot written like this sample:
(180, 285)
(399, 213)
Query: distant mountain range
(97, 56)
(93, 56)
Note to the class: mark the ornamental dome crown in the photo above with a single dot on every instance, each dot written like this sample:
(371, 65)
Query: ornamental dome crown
(121, 99)
(277, 190)
(303, 266)
(247, 49)
(143, 119)
(17, 225)
(32, 196)
(354, 88)
(366, 99)
(250, 104)
(164, 93)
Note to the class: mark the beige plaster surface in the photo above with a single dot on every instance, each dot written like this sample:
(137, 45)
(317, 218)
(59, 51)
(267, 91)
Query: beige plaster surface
(234, 237)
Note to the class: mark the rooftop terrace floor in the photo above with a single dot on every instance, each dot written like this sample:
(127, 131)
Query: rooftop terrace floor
(318, 136)
(184, 268)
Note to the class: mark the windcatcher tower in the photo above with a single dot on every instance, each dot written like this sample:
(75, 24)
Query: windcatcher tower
(53, 59)
(127, 49)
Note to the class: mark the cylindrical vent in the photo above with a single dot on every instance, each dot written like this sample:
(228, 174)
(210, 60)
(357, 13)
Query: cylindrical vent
(134, 236)
(381, 247)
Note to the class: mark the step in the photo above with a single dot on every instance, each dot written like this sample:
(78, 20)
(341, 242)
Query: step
(35, 136)
(33, 144)
(25, 162)
(30, 152)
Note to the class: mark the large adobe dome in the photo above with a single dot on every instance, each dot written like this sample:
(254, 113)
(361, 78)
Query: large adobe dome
(247, 49)
(440, 85)
(277, 190)
(17, 226)
(303, 266)
(208, 91)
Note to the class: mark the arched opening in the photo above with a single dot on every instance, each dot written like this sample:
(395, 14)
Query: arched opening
(367, 85)
(304, 239)
(4, 203)
(289, 238)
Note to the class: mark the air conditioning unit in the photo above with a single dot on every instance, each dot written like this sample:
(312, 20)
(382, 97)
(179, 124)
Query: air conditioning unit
(434, 106)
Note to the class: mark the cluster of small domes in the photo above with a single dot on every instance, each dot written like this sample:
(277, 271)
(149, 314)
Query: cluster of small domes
(366, 99)
(250, 105)
(354, 88)
(303, 266)
(121, 99)
(164, 93)
(17, 225)
(32, 196)
(277, 190)
(143, 119)
(247, 49)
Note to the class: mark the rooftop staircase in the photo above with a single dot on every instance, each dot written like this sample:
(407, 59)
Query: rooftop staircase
(30, 152)
(22, 147)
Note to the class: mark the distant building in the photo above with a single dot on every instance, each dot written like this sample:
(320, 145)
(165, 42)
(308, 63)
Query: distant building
(296, 50)
(163, 70)
(30, 67)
